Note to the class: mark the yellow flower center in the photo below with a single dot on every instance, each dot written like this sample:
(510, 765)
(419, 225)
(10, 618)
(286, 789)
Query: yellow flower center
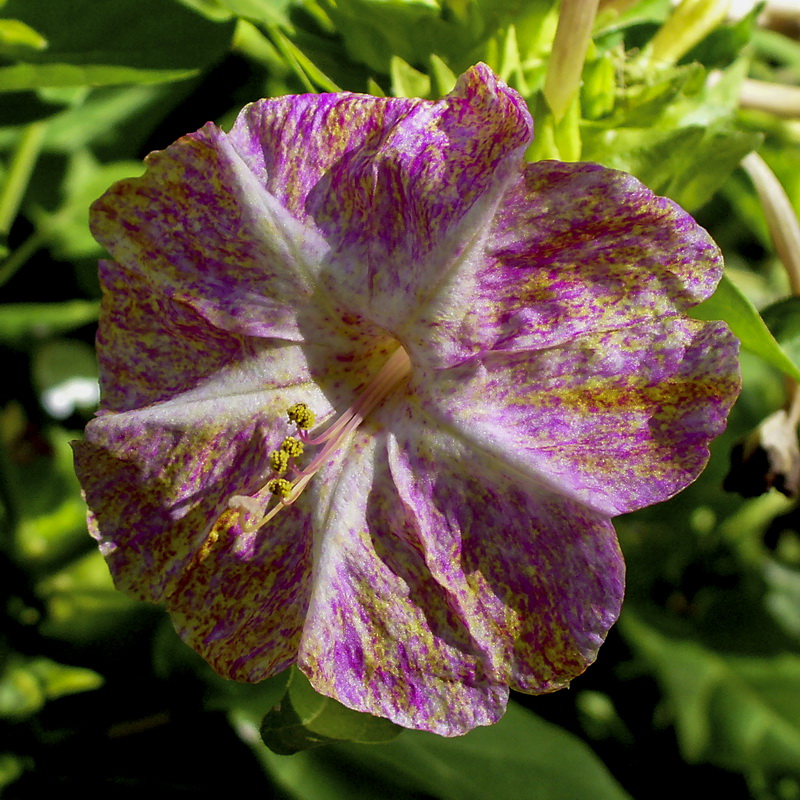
(394, 371)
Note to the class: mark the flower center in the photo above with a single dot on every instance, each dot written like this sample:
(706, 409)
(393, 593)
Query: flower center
(288, 481)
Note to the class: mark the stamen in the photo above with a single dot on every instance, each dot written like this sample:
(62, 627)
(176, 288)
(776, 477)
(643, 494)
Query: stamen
(279, 461)
(280, 487)
(301, 415)
(393, 372)
(292, 447)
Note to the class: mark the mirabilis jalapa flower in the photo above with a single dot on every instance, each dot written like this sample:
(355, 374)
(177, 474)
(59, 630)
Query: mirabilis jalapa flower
(481, 360)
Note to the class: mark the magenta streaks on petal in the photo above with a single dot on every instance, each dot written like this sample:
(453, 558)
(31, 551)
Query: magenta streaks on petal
(522, 566)
(136, 345)
(156, 483)
(573, 248)
(202, 230)
(380, 635)
(402, 211)
(616, 420)
(242, 607)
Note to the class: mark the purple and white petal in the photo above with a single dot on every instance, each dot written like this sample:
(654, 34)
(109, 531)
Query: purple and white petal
(614, 420)
(573, 249)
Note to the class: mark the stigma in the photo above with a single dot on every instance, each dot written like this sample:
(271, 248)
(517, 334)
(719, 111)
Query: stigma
(289, 478)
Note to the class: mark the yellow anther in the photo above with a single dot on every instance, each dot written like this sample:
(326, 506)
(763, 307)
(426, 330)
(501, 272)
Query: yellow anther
(280, 487)
(292, 447)
(301, 415)
(279, 461)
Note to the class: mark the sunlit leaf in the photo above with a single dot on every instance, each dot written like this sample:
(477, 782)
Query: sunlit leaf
(729, 304)
(444, 79)
(82, 605)
(66, 230)
(521, 756)
(149, 42)
(304, 719)
(52, 523)
(16, 34)
(407, 81)
(11, 767)
(34, 76)
(270, 12)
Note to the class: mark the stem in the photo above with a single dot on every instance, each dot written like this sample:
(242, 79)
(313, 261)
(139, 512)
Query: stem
(784, 228)
(19, 173)
(690, 23)
(9, 267)
(774, 98)
(784, 231)
(573, 34)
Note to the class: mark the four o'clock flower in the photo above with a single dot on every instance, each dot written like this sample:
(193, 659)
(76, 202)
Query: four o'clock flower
(373, 389)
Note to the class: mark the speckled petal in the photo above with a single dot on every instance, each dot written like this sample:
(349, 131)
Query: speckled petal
(380, 635)
(157, 479)
(396, 187)
(150, 349)
(202, 230)
(243, 606)
(478, 585)
(536, 578)
(573, 248)
(616, 420)
(189, 414)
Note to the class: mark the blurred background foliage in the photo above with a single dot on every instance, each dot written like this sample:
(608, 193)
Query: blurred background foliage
(699, 684)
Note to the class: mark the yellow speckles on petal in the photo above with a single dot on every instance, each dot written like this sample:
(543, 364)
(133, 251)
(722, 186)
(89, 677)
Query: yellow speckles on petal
(204, 551)
(280, 487)
(302, 416)
(292, 446)
(279, 461)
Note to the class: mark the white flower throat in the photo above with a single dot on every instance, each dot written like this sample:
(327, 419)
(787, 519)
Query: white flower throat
(288, 481)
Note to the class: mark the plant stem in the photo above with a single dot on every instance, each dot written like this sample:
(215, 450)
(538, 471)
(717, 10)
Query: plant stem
(19, 173)
(573, 35)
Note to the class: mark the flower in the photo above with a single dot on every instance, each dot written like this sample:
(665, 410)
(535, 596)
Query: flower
(484, 360)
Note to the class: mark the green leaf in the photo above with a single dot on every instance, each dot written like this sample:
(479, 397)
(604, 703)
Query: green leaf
(729, 304)
(310, 75)
(82, 606)
(599, 86)
(11, 767)
(643, 102)
(59, 680)
(304, 719)
(146, 42)
(268, 12)
(511, 67)
(34, 76)
(739, 712)
(407, 81)
(724, 44)
(67, 229)
(16, 34)
(522, 756)
(783, 320)
(215, 10)
(52, 514)
(122, 114)
(22, 322)
(673, 131)
(687, 164)
(377, 30)
(26, 684)
(443, 78)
